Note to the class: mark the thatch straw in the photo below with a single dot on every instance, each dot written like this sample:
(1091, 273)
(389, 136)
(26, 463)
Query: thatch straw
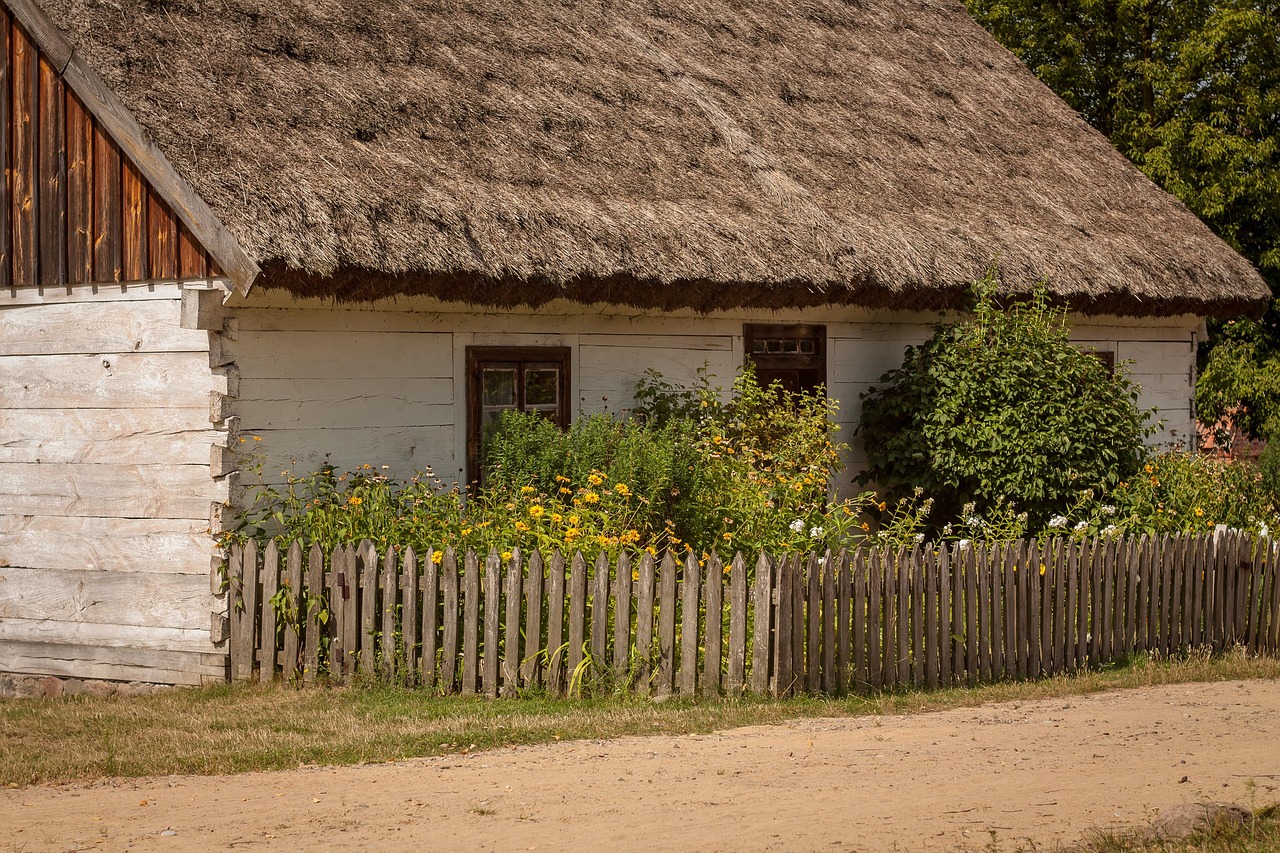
(658, 154)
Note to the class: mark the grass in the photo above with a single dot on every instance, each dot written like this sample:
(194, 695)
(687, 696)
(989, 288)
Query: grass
(231, 729)
(1260, 835)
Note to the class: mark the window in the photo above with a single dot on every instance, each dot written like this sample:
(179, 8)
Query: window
(795, 356)
(512, 379)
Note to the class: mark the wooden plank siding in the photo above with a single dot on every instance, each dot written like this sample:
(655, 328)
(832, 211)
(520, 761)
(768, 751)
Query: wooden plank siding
(73, 210)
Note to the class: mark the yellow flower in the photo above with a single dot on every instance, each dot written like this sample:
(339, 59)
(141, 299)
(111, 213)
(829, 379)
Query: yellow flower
(596, 478)
(621, 488)
(257, 438)
(590, 497)
(565, 491)
(602, 540)
(521, 526)
(466, 530)
(574, 520)
(1199, 512)
(635, 574)
(1042, 569)
(556, 517)
(242, 439)
(527, 490)
(571, 534)
(437, 557)
(560, 478)
(506, 555)
(536, 511)
(355, 500)
(727, 536)
(1147, 468)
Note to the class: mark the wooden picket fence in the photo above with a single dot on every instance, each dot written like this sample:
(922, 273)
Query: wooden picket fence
(859, 619)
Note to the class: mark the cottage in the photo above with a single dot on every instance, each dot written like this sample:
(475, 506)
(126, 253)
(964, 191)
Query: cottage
(356, 230)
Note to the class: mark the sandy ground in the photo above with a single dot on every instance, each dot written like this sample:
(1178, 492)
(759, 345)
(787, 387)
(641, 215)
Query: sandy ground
(1044, 771)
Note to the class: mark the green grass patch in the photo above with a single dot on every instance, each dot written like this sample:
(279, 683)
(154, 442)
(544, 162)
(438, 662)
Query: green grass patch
(232, 729)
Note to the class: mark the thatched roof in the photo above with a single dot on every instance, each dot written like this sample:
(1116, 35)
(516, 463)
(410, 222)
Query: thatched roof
(661, 153)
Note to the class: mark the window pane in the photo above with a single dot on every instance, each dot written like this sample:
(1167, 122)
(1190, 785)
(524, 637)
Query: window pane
(499, 386)
(541, 387)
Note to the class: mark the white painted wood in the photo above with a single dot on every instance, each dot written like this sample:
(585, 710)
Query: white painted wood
(684, 343)
(107, 636)
(139, 291)
(157, 545)
(1152, 357)
(612, 371)
(113, 327)
(145, 599)
(106, 381)
(326, 355)
(407, 450)
(124, 491)
(169, 435)
(111, 663)
(409, 407)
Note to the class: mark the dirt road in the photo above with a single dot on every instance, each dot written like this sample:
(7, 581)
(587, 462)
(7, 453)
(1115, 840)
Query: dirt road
(1043, 771)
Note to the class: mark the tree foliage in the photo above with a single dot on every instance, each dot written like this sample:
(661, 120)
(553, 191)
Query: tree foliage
(1189, 90)
(1002, 407)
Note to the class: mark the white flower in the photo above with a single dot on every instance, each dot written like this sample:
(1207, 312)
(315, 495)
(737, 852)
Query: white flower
(973, 521)
(919, 538)
(1263, 530)
(1058, 521)
(1108, 510)
(1109, 530)
(963, 543)
(815, 532)
(798, 525)
(1081, 526)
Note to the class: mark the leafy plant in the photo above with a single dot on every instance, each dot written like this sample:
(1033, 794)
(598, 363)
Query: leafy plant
(1001, 407)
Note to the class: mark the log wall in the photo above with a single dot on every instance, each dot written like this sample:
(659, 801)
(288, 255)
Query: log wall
(106, 493)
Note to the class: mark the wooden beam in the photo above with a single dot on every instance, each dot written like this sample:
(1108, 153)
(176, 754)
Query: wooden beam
(79, 192)
(6, 119)
(26, 97)
(52, 238)
(133, 193)
(162, 239)
(107, 208)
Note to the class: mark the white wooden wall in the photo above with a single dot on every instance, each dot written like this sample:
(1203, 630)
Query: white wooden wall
(106, 489)
(383, 383)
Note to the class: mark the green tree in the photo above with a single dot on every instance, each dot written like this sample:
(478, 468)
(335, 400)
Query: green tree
(1002, 407)
(1189, 90)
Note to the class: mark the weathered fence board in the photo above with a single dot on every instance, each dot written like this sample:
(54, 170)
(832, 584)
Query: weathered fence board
(862, 619)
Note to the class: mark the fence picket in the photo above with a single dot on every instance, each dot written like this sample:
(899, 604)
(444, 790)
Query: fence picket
(858, 604)
(1273, 562)
(470, 622)
(828, 644)
(798, 670)
(315, 590)
(983, 565)
(429, 666)
(511, 642)
(622, 619)
(971, 639)
(240, 645)
(996, 568)
(736, 668)
(644, 623)
(492, 622)
(296, 608)
(267, 605)
(533, 602)
(1059, 641)
(713, 599)
(844, 600)
(1045, 580)
(367, 556)
(666, 625)
(600, 616)
(689, 625)
(390, 635)
(783, 637)
(556, 647)
(1070, 621)
(409, 615)
(915, 572)
(813, 624)
(945, 621)
(577, 620)
(762, 623)
(449, 620)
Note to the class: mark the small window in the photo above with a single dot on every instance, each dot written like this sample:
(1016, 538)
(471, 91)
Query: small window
(512, 379)
(793, 355)
(1107, 357)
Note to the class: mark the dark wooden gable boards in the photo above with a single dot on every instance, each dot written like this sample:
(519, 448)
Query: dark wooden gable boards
(76, 204)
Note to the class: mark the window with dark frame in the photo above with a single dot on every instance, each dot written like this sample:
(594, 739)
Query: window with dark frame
(794, 355)
(512, 379)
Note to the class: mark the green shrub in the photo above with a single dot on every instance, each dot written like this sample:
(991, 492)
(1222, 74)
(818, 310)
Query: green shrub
(1002, 407)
